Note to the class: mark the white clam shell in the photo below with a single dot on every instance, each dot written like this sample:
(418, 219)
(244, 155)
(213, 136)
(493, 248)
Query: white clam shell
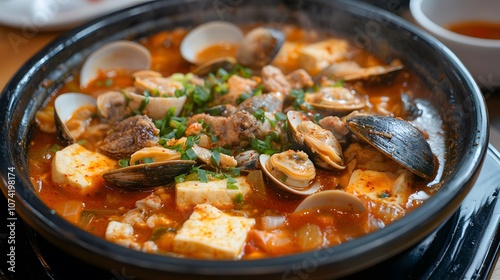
(305, 191)
(115, 55)
(335, 199)
(157, 106)
(65, 105)
(209, 34)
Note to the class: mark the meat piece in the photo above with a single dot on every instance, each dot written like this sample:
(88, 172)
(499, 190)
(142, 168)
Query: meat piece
(112, 106)
(237, 86)
(337, 126)
(299, 79)
(129, 136)
(274, 80)
(229, 130)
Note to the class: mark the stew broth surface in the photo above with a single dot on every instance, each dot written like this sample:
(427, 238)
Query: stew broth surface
(277, 230)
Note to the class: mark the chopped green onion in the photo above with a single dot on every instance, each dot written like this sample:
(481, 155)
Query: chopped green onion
(215, 157)
(147, 160)
(54, 148)
(123, 162)
(231, 183)
(108, 82)
(280, 116)
(202, 175)
(189, 154)
(259, 114)
(180, 178)
(238, 198)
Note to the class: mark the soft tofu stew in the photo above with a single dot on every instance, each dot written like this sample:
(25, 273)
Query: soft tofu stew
(276, 141)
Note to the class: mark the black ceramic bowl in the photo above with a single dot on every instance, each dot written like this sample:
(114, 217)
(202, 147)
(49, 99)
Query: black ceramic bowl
(453, 93)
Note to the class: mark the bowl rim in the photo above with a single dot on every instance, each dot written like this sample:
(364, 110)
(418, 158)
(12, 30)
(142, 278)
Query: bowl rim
(53, 225)
(423, 20)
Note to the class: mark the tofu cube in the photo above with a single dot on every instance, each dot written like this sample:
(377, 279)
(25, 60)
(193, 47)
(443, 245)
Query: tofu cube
(78, 168)
(117, 231)
(210, 233)
(217, 193)
(287, 59)
(313, 58)
(382, 187)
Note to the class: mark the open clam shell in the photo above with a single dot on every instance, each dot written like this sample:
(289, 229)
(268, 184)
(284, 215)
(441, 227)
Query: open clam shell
(65, 106)
(351, 71)
(321, 145)
(398, 139)
(337, 101)
(310, 189)
(260, 46)
(115, 55)
(209, 34)
(144, 176)
(335, 199)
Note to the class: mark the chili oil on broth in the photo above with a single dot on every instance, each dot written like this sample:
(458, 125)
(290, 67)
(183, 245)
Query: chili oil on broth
(92, 212)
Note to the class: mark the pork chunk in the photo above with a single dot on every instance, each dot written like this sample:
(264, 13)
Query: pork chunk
(229, 130)
(129, 136)
(274, 80)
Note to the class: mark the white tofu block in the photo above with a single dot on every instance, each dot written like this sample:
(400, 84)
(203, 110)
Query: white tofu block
(212, 234)
(287, 58)
(116, 231)
(313, 58)
(78, 168)
(382, 187)
(191, 193)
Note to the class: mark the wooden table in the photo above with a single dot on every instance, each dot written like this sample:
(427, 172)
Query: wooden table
(17, 46)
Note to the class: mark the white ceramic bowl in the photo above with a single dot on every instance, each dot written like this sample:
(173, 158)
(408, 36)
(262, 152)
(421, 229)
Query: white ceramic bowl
(480, 56)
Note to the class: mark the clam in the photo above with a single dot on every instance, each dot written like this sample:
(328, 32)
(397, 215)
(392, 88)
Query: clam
(115, 55)
(254, 50)
(143, 176)
(155, 154)
(290, 170)
(247, 160)
(398, 139)
(259, 47)
(335, 199)
(351, 71)
(319, 143)
(66, 106)
(207, 157)
(207, 35)
(336, 100)
(115, 106)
